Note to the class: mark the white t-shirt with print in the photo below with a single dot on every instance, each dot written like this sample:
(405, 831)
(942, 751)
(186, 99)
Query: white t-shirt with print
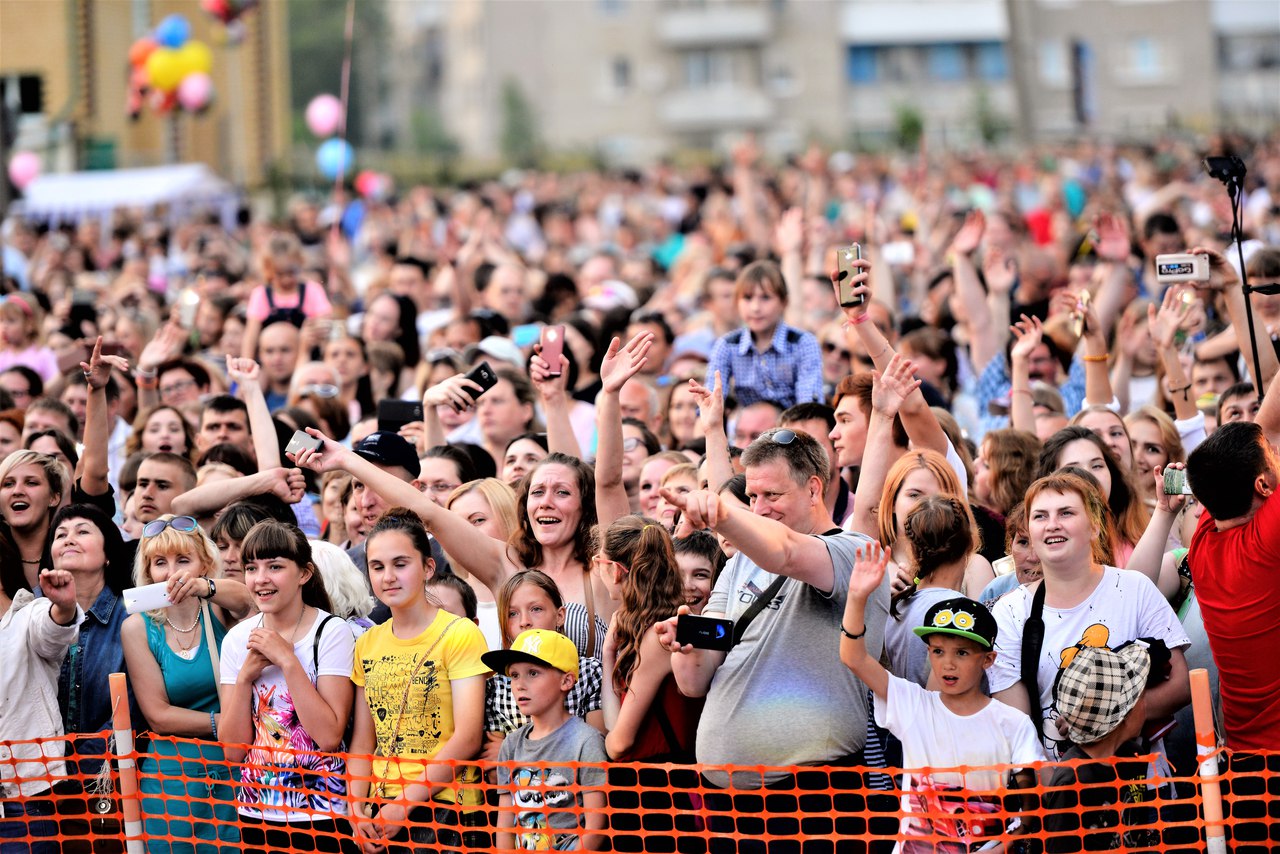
(1123, 607)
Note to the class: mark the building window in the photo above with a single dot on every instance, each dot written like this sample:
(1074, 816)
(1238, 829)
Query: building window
(612, 7)
(620, 73)
(1143, 58)
(861, 64)
(945, 62)
(704, 69)
(991, 61)
(1053, 63)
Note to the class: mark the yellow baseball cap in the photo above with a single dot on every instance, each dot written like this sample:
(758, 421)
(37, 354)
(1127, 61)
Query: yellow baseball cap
(536, 646)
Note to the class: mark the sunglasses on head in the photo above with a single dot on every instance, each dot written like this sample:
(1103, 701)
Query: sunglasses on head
(325, 390)
(185, 524)
(782, 437)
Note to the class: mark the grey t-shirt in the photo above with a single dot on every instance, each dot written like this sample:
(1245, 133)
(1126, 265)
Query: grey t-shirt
(543, 810)
(782, 696)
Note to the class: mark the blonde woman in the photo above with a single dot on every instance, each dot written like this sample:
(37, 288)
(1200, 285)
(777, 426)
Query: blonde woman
(490, 505)
(172, 666)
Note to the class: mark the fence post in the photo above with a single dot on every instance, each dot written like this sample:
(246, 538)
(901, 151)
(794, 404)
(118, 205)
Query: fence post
(123, 726)
(1207, 751)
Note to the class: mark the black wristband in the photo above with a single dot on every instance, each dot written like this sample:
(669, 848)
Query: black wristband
(858, 636)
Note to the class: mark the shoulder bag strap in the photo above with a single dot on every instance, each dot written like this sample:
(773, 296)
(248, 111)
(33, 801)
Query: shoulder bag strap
(1032, 644)
(315, 646)
(762, 601)
(206, 617)
(589, 595)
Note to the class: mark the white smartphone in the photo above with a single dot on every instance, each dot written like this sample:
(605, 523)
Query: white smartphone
(147, 598)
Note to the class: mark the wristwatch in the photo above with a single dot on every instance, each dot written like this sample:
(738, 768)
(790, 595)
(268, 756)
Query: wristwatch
(213, 589)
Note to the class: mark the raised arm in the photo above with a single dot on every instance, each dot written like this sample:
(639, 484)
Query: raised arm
(1223, 277)
(556, 404)
(1148, 554)
(97, 426)
(1113, 246)
(866, 578)
(1268, 417)
(789, 241)
(711, 424)
(1163, 325)
(969, 288)
(167, 345)
(887, 395)
(246, 374)
(1097, 379)
(1001, 274)
(451, 391)
(619, 365)
(1022, 412)
(475, 551)
(288, 484)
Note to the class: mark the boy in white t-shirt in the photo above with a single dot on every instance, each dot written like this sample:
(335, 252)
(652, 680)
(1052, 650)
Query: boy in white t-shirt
(946, 811)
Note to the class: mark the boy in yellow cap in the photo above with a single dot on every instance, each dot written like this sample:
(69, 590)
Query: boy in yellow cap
(543, 666)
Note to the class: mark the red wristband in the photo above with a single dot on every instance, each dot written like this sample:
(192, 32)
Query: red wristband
(862, 318)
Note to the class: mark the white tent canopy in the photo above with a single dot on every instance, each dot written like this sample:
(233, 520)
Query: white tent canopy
(73, 196)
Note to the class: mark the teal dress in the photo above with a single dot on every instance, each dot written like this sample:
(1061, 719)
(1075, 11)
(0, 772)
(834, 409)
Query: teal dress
(186, 787)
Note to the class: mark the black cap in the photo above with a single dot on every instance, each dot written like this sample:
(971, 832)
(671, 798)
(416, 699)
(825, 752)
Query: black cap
(963, 617)
(385, 448)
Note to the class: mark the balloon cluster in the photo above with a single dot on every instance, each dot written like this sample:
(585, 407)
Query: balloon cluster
(227, 11)
(335, 157)
(170, 69)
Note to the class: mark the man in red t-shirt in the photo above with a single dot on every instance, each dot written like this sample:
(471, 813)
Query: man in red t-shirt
(1234, 557)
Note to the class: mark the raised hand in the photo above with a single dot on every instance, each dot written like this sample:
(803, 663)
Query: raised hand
(1221, 274)
(789, 235)
(289, 485)
(999, 270)
(622, 363)
(243, 372)
(59, 587)
(701, 508)
(1168, 503)
(1111, 235)
(894, 386)
(184, 583)
(1163, 324)
(970, 234)
(868, 571)
(860, 286)
(710, 405)
(330, 456)
(548, 384)
(97, 371)
(666, 632)
(1028, 332)
(451, 392)
(166, 345)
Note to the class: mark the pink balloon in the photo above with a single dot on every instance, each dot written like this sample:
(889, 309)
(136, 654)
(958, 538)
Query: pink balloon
(194, 91)
(23, 169)
(324, 115)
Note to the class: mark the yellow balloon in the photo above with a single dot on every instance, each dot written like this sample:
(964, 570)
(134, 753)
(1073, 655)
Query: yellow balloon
(164, 71)
(195, 57)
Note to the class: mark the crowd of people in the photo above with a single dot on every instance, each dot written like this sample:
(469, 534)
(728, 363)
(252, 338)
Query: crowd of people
(441, 479)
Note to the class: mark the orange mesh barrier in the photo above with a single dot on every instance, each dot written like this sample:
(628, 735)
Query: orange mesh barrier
(188, 800)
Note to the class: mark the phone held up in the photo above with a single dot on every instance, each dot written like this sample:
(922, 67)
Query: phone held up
(395, 414)
(845, 273)
(301, 441)
(1175, 482)
(552, 349)
(704, 632)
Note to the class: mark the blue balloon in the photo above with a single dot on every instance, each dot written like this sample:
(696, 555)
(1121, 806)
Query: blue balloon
(334, 157)
(173, 31)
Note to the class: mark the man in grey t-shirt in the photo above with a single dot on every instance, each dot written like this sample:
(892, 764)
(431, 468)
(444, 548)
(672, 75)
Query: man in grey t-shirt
(781, 696)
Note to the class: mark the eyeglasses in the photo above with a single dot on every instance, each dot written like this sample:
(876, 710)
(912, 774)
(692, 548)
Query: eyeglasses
(631, 444)
(185, 524)
(178, 387)
(325, 390)
(832, 347)
(783, 437)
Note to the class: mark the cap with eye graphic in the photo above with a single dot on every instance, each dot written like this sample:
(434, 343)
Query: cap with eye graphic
(960, 616)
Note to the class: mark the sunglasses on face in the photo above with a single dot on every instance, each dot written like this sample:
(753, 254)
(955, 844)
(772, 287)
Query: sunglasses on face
(185, 524)
(831, 347)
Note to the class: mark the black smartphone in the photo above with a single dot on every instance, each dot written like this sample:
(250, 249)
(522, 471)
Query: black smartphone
(704, 632)
(483, 376)
(302, 441)
(844, 263)
(394, 414)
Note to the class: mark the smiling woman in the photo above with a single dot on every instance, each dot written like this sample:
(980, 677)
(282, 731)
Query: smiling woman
(31, 488)
(161, 429)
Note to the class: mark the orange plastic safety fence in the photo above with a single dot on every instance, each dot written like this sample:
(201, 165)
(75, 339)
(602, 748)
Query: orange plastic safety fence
(192, 800)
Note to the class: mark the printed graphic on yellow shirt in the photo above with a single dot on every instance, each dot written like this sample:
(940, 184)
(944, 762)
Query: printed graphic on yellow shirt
(417, 730)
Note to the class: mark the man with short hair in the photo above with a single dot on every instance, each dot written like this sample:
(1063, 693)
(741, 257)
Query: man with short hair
(1238, 403)
(819, 420)
(162, 477)
(224, 419)
(752, 420)
(793, 565)
(639, 400)
(278, 356)
(49, 413)
(182, 382)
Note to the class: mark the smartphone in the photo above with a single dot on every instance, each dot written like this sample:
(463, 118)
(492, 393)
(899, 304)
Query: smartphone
(394, 414)
(704, 632)
(337, 330)
(147, 598)
(552, 350)
(188, 303)
(844, 264)
(1077, 317)
(1175, 482)
(483, 376)
(302, 441)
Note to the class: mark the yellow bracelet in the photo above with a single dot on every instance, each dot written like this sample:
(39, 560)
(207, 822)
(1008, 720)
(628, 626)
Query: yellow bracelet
(1103, 358)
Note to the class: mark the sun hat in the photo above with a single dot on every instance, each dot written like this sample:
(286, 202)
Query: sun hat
(1098, 688)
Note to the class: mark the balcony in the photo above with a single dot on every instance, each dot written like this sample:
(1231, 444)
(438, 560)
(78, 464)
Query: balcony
(715, 108)
(715, 25)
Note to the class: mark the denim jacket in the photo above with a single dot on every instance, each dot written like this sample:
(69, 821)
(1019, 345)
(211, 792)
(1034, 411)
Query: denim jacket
(84, 685)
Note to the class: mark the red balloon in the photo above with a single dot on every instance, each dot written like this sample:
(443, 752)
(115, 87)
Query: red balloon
(140, 50)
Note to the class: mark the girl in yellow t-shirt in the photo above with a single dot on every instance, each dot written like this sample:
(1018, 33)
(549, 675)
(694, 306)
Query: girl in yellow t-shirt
(419, 695)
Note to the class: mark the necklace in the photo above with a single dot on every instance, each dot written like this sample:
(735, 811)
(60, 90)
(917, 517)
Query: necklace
(187, 651)
(37, 560)
(293, 634)
(189, 629)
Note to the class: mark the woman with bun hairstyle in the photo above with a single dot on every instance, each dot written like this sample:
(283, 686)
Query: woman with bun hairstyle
(419, 696)
(286, 690)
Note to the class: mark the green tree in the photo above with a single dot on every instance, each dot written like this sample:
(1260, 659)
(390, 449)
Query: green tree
(430, 137)
(908, 126)
(992, 126)
(519, 141)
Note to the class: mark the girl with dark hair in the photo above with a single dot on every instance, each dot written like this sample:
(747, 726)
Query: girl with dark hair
(555, 534)
(171, 669)
(394, 318)
(521, 455)
(419, 695)
(286, 684)
(1079, 446)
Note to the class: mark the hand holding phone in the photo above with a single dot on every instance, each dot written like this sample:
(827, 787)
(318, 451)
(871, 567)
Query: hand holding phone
(704, 632)
(302, 441)
(844, 277)
(552, 349)
(394, 414)
(483, 376)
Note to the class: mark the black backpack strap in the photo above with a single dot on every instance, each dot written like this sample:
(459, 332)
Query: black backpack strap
(271, 300)
(1032, 644)
(315, 645)
(762, 601)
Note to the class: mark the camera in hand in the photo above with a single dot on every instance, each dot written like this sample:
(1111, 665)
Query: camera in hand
(704, 632)
(1175, 269)
(1175, 482)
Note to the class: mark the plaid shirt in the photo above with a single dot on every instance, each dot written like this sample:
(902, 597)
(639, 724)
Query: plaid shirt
(994, 384)
(501, 714)
(788, 371)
